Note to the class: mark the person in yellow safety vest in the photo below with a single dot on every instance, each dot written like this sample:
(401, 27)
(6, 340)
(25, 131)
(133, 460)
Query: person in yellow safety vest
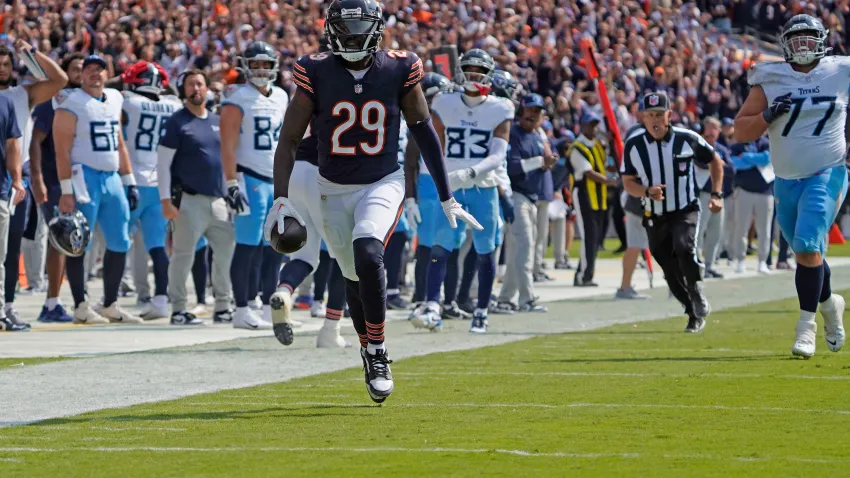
(590, 195)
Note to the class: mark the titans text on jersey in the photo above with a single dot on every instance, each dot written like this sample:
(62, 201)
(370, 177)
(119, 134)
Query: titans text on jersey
(810, 138)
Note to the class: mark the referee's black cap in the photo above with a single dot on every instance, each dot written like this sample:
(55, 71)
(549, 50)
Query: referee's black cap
(656, 101)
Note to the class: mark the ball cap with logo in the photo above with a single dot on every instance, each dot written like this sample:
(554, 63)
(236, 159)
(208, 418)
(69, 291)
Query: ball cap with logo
(656, 101)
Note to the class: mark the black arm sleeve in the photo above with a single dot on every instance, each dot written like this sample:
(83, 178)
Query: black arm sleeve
(432, 154)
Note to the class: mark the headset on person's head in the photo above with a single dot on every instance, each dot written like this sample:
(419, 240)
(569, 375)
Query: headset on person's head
(181, 80)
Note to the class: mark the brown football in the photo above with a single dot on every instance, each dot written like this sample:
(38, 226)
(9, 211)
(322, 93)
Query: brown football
(294, 236)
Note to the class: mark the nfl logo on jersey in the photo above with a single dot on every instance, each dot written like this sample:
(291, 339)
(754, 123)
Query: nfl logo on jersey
(358, 89)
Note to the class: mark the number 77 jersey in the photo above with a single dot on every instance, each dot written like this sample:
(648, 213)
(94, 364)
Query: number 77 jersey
(810, 137)
(357, 115)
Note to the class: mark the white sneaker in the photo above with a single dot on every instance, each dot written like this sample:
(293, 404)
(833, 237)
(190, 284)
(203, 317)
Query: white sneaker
(318, 310)
(804, 346)
(329, 337)
(156, 308)
(83, 314)
(763, 268)
(741, 267)
(117, 315)
(255, 304)
(245, 318)
(430, 318)
(200, 309)
(832, 312)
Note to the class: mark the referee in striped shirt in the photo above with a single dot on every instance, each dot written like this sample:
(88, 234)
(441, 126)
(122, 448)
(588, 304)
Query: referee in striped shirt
(658, 166)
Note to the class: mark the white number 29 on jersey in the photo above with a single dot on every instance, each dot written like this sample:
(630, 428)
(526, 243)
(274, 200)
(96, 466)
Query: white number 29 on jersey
(372, 118)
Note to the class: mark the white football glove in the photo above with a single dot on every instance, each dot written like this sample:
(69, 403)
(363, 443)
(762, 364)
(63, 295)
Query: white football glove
(455, 211)
(412, 211)
(281, 209)
(460, 178)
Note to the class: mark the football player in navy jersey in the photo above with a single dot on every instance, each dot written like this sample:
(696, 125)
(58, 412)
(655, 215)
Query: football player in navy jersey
(355, 97)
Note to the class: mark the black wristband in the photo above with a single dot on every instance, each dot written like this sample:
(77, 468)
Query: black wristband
(717, 195)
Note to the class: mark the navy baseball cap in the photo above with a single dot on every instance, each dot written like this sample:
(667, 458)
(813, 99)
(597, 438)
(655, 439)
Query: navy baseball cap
(532, 100)
(590, 117)
(727, 121)
(94, 60)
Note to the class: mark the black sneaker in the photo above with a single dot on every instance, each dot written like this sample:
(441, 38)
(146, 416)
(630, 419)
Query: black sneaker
(12, 323)
(712, 274)
(185, 318)
(695, 325)
(468, 306)
(396, 302)
(379, 377)
(504, 308)
(699, 303)
(453, 312)
(223, 317)
(578, 282)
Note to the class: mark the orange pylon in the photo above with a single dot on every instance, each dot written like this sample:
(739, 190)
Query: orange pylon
(22, 273)
(835, 235)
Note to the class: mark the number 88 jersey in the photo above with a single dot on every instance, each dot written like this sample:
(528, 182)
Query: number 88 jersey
(145, 122)
(810, 137)
(262, 118)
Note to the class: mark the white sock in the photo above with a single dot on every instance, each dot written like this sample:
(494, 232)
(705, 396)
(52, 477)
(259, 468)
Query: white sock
(242, 310)
(332, 324)
(7, 307)
(806, 316)
(160, 301)
(372, 349)
(829, 303)
(52, 302)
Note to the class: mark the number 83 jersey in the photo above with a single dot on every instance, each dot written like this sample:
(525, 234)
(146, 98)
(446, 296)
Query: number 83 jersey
(262, 118)
(810, 137)
(469, 129)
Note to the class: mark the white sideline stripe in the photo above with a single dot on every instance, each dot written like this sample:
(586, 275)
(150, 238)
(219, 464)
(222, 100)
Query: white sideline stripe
(10, 460)
(114, 429)
(537, 405)
(568, 350)
(522, 453)
(629, 374)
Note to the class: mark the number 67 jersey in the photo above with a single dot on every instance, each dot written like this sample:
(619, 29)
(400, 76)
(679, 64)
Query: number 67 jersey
(809, 138)
(357, 115)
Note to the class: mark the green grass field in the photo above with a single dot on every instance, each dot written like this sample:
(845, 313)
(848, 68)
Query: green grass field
(27, 362)
(638, 400)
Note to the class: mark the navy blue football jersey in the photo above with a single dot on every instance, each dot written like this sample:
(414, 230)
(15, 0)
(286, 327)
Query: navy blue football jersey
(308, 148)
(357, 122)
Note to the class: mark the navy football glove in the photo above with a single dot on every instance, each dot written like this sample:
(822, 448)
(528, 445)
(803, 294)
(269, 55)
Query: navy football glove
(133, 197)
(507, 208)
(235, 199)
(780, 106)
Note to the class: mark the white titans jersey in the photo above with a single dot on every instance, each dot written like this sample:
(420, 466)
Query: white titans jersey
(262, 118)
(810, 137)
(145, 120)
(402, 140)
(20, 98)
(470, 129)
(98, 126)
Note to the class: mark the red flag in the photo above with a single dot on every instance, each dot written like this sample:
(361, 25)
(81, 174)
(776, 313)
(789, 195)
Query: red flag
(602, 92)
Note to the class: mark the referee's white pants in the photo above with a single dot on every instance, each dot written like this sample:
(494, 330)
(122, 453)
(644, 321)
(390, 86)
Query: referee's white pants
(751, 205)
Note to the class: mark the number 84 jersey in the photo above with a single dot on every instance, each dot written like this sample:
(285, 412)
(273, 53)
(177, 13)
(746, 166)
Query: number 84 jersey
(810, 137)
(469, 130)
(262, 118)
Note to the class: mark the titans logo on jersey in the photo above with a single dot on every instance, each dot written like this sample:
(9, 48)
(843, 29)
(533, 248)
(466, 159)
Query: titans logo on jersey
(810, 138)
(469, 129)
(262, 118)
(98, 126)
(357, 119)
(145, 124)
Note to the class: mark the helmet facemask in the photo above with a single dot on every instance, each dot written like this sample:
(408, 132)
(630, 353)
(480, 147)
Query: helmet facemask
(354, 38)
(476, 76)
(260, 70)
(804, 46)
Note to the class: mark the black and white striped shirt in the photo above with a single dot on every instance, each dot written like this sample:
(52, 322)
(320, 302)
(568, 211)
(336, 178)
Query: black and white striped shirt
(669, 161)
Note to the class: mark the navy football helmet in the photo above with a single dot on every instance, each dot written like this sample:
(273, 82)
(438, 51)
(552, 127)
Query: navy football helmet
(475, 71)
(505, 86)
(803, 40)
(354, 28)
(69, 233)
(433, 83)
(251, 64)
